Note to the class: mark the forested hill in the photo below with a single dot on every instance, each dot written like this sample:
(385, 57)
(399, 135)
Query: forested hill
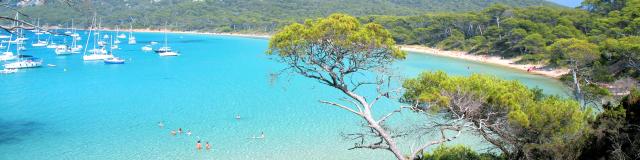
(232, 15)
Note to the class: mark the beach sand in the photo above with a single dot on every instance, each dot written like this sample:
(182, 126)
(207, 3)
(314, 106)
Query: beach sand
(555, 73)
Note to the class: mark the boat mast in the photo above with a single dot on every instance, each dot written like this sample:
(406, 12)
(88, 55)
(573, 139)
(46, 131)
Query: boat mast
(111, 47)
(165, 34)
(93, 22)
(38, 31)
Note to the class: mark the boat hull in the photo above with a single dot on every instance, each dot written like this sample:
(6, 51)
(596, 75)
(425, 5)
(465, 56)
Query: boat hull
(23, 64)
(96, 57)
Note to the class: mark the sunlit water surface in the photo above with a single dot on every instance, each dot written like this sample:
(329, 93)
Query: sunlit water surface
(97, 111)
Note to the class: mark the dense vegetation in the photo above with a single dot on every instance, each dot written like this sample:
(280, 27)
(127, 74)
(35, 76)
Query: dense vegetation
(524, 124)
(599, 40)
(245, 15)
(520, 122)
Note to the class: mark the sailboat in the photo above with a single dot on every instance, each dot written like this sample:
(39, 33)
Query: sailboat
(39, 43)
(8, 55)
(166, 50)
(73, 34)
(62, 50)
(51, 45)
(24, 61)
(147, 48)
(113, 44)
(75, 47)
(121, 35)
(95, 53)
(113, 59)
(132, 39)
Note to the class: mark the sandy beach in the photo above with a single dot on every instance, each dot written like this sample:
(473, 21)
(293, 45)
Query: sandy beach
(510, 63)
(555, 73)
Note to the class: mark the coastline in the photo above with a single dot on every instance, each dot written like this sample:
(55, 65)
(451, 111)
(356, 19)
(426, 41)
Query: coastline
(495, 60)
(245, 35)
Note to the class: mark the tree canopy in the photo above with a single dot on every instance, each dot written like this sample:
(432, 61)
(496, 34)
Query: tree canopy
(519, 121)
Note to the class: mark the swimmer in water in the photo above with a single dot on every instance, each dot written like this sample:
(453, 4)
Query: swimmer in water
(160, 124)
(173, 133)
(188, 132)
(237, 116)
(207, 146)
(180, 130)
(259, 137)
(198, 145)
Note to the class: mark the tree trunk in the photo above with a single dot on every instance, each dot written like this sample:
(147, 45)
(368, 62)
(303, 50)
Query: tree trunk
(577, 84)
(368, 116)
(393, 147)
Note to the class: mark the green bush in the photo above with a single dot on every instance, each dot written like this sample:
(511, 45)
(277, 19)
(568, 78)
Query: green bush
(531, 58)
(458, 152)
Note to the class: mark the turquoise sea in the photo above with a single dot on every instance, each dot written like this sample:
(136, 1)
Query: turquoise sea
(89, 110)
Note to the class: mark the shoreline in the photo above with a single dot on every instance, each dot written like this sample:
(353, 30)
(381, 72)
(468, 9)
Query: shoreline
(244, 35)
(494, 60)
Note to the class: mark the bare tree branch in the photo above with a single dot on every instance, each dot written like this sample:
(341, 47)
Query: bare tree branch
(342, 106)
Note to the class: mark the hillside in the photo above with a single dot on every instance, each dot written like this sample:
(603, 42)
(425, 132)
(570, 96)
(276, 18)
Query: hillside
(227, 15)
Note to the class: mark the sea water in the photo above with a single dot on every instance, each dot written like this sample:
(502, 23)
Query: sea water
(90, 110)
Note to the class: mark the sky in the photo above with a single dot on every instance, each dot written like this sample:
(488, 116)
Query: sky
(569, 3)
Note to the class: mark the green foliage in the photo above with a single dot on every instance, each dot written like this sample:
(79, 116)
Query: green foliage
(564, 51)
(614, 133)
(543, 125)
(342, 31)
(458, 152)
(604, 32)
(236, 16)
(532, 58)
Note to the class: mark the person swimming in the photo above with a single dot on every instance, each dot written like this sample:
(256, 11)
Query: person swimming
(259, 137)
(160, 124)
(198, 145)
(180, 130)
(237, 116)
(173, 132)
(207, 146)
(188, 132)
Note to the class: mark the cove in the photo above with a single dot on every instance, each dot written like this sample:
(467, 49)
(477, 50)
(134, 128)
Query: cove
(89, 110)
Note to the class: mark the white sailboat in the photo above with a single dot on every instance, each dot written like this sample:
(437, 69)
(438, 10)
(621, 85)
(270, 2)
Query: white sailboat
(95, 53)
(8, 55)
(113, 44)
(75, 47)
(62, 50)
(120, 35)
(132, 39)
(74, 32)
(113, 59)
(166, 50)
(39, 43)
(147, 48)
(24, 61)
